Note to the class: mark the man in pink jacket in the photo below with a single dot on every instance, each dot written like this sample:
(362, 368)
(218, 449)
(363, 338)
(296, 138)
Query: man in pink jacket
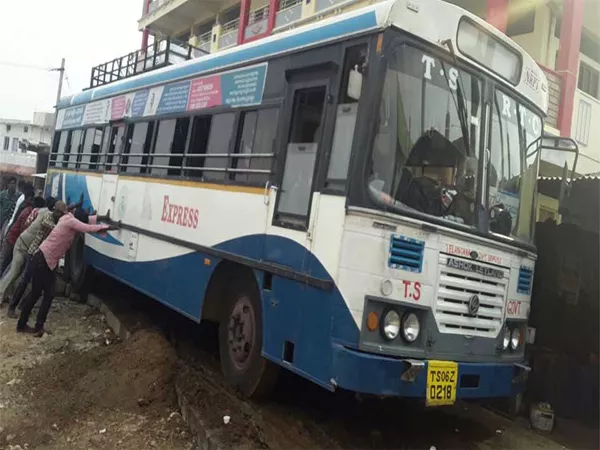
(45, 261)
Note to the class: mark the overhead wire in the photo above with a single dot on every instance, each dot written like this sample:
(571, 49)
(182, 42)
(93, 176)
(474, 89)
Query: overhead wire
(24, 66)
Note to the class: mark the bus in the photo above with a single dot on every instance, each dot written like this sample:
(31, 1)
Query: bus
(352, 200)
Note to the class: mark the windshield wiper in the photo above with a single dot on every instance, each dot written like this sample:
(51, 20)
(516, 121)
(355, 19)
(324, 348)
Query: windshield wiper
(460, 103)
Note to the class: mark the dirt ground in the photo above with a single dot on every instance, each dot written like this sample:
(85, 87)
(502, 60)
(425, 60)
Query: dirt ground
(302, 415)
(81, 388)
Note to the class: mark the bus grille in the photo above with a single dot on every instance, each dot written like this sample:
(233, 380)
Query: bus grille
(455, 289)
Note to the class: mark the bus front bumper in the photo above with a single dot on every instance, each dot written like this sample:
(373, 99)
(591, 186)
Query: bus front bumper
(380, 375)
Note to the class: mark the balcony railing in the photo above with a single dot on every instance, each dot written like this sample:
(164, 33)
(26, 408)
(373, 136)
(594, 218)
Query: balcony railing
(204, 41)
(229, 33)
(258, 22)
(160, 54)
(258, 15)
(288, 11)
(155, 4)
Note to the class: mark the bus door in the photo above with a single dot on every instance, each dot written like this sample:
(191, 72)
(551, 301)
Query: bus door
(292, 199)
(111, 149)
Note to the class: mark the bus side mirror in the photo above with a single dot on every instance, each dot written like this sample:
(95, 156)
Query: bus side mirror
(355, 79)
(568, 145)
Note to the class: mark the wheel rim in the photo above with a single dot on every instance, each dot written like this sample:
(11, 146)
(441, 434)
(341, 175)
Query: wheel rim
(241, 334)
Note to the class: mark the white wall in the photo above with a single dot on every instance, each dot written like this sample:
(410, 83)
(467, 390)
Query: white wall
(17, 131)
(585, 126)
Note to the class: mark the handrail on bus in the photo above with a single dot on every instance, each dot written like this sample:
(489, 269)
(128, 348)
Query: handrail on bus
(266, 266)
(139, 61)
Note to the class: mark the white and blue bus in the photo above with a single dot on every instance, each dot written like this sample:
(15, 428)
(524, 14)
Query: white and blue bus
(352, 200)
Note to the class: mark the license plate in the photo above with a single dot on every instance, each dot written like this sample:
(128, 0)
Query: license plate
(441, 383)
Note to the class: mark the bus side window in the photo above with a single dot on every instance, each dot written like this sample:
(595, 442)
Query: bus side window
(170, 140)
(106, 134)
(256, 144)
(217, 158)
(97, 141)
(116, 139)
(345, 121)
(137, 145)
(92, 135)
(73, 149)
(194, 158)
(60, 148)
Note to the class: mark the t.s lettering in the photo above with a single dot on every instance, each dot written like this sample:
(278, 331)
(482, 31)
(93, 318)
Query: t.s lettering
(429, 63)
(417, 291)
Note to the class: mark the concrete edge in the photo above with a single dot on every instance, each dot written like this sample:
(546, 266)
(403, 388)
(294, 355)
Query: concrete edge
(205, 439)
(111, 318)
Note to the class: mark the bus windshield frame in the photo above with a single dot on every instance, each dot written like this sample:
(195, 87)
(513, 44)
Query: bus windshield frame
(441, 131)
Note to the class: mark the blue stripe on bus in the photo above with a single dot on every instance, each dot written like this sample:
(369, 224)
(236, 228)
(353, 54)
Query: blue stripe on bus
(308, 317)
(311, 318)
(75, 187)
(352, 25)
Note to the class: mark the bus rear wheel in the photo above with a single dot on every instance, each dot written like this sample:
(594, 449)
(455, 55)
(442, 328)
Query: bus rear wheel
(240, 343)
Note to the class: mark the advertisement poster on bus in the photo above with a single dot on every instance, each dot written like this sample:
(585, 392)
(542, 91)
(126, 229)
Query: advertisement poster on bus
(236, 88)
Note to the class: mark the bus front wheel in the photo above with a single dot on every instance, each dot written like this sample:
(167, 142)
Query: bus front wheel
(240, 342)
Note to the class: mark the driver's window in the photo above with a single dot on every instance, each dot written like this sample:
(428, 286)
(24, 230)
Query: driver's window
(425, 154)
(513, 165)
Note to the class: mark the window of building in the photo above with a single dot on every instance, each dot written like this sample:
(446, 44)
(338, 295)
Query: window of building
(8, 127)
(26, 129)
(15, 144)
(584, 119)
(590, 46)
(137, 147)
(521, 20)
(194, 158)
(254, 151)
(217, 158)
(588, 80)
(6, 142)
(170, 141)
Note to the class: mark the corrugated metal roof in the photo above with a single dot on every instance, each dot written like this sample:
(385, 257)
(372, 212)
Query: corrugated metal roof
(594, 176)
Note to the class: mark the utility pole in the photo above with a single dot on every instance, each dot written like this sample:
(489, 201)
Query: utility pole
(61, 76)
(61, 69)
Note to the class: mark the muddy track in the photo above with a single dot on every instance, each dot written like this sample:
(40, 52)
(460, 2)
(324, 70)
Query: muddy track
(302, 415)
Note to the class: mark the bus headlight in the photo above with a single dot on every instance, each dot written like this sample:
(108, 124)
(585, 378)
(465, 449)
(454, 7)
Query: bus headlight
(391, 325)
(515, 338)
(410, 327)
(506, 338)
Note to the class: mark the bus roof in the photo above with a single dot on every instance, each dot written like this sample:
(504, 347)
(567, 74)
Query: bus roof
(416, 17)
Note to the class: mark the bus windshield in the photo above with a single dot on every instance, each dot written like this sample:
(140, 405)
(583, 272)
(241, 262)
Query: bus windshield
(427, 146)
(512, 171)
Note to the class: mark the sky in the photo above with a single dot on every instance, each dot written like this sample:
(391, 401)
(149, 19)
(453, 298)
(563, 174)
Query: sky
(38, 33)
